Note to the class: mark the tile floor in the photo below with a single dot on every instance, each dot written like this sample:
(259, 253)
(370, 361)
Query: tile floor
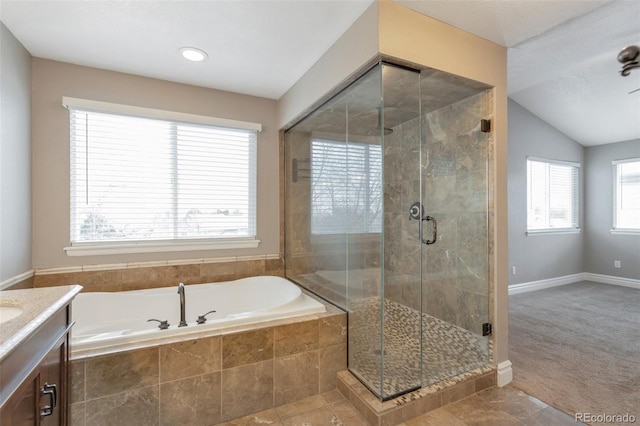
(490, 407)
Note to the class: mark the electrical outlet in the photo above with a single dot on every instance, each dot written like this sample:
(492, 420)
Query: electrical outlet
(513, 270)
(616, 264)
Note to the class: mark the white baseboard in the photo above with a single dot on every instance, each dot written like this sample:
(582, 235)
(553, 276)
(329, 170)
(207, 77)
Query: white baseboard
(548, 283)
(569, 279)
(609, 279)
(13, 280)
(505, 373)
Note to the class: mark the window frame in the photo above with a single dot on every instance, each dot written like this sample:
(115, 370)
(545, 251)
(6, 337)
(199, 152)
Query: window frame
(90, 248)
(615, 230)
(576, 191)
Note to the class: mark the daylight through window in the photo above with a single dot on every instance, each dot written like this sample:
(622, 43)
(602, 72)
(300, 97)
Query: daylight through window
(626, 195)
(552, 195)
(149, 179)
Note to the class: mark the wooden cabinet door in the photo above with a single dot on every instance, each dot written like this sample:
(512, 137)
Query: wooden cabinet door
(53, 386)
(21, 408)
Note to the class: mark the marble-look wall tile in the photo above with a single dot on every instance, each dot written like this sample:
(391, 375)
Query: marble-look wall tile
(187, 274)
(21, 285)
(331, 360)
(247, 347)
(190, 358)
(195, 401)
(147, 277)
(457, 392)
(249, 268)
(77, 413)
(219, 271)
(247, 389)
(295, 338)
(91, 281)
(332, 330)
(111, 374)
(296, 377)
(76, 381)
(140, 406)
(161, 276)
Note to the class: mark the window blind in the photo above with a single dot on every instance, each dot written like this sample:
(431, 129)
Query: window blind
(346, 187)
(626, 194)
(147, 179)
(552, 194)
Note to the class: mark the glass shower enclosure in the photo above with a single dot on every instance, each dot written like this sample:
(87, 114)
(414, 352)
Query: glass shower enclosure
(386, 216)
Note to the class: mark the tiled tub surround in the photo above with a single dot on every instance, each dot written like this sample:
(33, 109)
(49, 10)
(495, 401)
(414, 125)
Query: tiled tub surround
(212, 379)
(144, 275)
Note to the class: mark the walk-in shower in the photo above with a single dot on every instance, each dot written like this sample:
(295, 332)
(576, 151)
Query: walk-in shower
(387, 216)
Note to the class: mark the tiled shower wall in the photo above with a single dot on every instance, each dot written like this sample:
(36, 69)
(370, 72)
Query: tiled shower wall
(455, 190)
(212, 379)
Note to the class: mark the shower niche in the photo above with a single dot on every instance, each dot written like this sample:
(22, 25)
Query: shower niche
(387, 216)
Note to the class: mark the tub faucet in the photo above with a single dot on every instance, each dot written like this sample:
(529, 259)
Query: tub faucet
(183, 323)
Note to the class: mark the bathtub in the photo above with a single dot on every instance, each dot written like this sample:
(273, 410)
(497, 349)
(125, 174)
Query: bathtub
(106, 322)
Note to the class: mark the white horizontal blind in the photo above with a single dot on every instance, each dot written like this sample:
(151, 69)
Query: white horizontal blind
(346, 187)
(143, 179)
(552, 195)
(626, 190)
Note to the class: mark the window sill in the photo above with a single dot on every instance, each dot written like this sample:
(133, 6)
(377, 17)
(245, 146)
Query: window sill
(107, 248)
(533, 232)
(624, 231)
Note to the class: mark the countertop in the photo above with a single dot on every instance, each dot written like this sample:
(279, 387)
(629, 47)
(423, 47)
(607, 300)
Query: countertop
(38, 305)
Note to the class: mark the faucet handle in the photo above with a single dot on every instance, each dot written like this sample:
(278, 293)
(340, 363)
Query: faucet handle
(202, 318)
(164, 324)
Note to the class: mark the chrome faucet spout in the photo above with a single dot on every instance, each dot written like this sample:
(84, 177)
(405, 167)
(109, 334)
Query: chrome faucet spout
(183, 323)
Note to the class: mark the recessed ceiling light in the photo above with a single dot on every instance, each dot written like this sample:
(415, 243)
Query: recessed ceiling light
(193, 54)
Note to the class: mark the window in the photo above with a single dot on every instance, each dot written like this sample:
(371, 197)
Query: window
(346, 187)
(159, 184)
(552, 196)
(626, 195)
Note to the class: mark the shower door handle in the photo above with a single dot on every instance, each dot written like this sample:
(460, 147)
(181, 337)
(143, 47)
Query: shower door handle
(435, 230)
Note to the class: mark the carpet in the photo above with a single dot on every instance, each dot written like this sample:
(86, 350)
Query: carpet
(577, 347)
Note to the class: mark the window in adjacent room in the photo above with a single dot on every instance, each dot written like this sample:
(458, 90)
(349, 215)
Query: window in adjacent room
(150, 180)
(626, 196)
(346, 187)
(552, 196)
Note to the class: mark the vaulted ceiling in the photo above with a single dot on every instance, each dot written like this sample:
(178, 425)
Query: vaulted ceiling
(561, 54)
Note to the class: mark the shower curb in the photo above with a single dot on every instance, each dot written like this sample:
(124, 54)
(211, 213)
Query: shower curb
(416, 403)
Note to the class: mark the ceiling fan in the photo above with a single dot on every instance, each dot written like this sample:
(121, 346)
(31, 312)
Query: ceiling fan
(628, 57)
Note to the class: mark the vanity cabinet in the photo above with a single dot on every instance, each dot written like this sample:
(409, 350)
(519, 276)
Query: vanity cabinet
(34, 376)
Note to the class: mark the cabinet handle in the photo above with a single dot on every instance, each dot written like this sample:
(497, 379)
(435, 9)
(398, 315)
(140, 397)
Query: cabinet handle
(52, 391)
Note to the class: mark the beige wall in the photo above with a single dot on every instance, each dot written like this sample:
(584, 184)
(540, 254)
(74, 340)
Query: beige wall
(415, 38)
(50, 143)
(354, 48)
(15, 157)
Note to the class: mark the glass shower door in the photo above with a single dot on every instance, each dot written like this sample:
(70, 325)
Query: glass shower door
(455, 284)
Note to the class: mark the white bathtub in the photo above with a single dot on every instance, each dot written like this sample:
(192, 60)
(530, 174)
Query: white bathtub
(105, 322)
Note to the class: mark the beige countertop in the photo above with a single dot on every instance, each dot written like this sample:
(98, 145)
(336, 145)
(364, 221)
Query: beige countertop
(38, 305)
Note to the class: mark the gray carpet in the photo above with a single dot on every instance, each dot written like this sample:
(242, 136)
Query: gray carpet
(577, 347)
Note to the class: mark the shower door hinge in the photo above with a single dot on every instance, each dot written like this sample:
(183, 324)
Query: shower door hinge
(485, 126)
(486, 329)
